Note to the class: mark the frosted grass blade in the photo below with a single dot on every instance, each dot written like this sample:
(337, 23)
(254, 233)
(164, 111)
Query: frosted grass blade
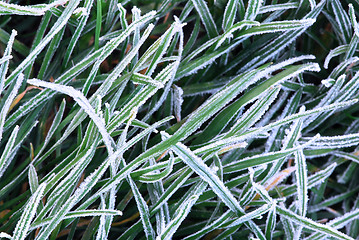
(252, 115)
(143, 209)
(33, 179)
(238, 26)
(62, 186)
(182, 212)
(277, 7)
(348, 156)
(304, 114)
(101, 228)
(5, 59)
(59, 24)
(215, 225)
(17, 45)
(177, 101)
(6, 107)
(338, 223)
(111, 14)
(5, 235)
(207, 175)
(4, 65)
(253, 161)
(149, 177)
(341, 67)
(222, 119)
(353, 19)
(141, 79)
(257, 213)
(197, 165)
(229, 14)
(343, 21)
(195, 190)
(33, 10)
(106, 86)
(313, 180)
(51, 49)
(55, 123)
(252, 9)
(28, 214)
(352, 47)
(310, 224)
(182, 209)
(126, 170)
(142, 96)
(302, 182)
(332, 201)
(23, 132)
(85, 105)
(271, 222)
(274, 47)
(9, 147)
(111, 46)
(75, 37)
(192, 39)
(199, 49)
(163, 44)
(77, 214)
(206, 17)
(167, 88)
(80, 192)
(336, 141)
(279, 26)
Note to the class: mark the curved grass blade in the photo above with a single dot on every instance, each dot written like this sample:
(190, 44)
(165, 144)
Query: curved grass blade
(32, 10)
(85, 105)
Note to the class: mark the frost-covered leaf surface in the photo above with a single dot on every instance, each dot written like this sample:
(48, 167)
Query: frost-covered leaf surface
(179, 119)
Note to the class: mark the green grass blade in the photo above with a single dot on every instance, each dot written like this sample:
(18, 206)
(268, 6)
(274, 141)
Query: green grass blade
(4, 65)
(143, 209)
(32, 10)
(85, 105)
(229, 14)
(60, 23)
(33, 179)
(252, 9)
(308, 223)
(9, 100)
(206, 17)
(4, 159)
(28, 214)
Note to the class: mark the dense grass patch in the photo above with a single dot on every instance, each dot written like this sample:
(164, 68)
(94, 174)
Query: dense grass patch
(179, 119)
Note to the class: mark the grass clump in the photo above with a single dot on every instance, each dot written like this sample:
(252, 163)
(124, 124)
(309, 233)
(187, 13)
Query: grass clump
(179, 119)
